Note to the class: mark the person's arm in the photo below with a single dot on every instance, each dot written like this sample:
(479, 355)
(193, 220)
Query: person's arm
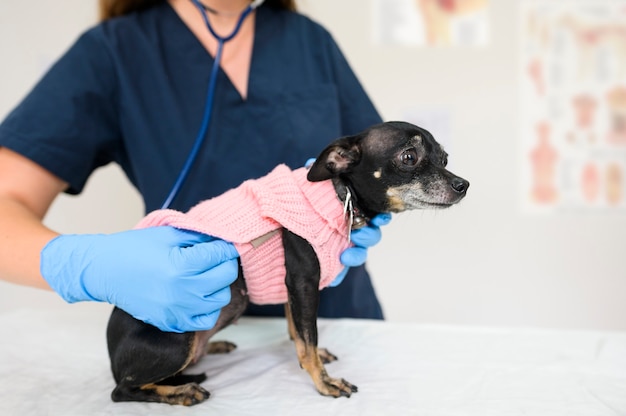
(173, 279)
(26, 192)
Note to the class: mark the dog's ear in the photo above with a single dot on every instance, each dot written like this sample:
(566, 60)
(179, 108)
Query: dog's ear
(338, 158)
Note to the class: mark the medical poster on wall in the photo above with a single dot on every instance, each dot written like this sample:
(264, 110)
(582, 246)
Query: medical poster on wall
(430, 22)
(573, 105)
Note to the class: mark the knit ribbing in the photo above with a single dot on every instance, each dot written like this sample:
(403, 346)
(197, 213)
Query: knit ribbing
(281, 199)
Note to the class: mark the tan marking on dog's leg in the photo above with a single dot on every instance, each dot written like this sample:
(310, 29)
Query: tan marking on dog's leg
(310, 361)
(290, 326)
(220, 347)
(198, 348)
(186, 395)
(326, 356)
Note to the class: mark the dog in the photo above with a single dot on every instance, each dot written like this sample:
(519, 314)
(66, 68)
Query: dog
(389, 167)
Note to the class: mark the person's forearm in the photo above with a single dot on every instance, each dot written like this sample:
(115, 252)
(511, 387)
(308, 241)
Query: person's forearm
(22, 237)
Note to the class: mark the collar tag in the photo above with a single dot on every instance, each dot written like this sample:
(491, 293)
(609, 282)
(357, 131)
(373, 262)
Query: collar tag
(348, 210)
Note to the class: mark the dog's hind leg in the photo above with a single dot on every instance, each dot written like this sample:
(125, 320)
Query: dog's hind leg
(303, 274)
(147, 362)
(185, 394)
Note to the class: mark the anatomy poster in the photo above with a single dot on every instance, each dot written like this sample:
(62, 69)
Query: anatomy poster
(573, 109)
(430, 22)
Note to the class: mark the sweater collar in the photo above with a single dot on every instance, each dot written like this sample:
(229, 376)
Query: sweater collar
(335, 201)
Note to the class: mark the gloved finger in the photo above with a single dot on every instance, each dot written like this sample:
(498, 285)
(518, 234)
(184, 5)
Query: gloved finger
(366, 236)
(214, 300)
(353, 256)
(193, 237)
(205, 256)
(167, 322)
(178, 237)
(211, 303)
(339, 277)
(381, 219)
(215, 279)
(170, 328)
(197, 315)
(309, 162)
(203, 322)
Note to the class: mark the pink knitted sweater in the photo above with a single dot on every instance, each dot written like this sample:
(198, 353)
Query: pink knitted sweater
(251, 215)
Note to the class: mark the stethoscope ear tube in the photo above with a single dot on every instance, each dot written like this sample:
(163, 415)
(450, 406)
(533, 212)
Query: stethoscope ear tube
(208, 107)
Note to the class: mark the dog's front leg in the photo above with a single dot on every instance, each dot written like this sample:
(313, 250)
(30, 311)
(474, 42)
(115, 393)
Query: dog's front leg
(303, 275)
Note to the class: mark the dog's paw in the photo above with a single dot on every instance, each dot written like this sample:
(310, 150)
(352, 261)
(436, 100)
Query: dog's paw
(220, 347)
(185, 394)
(336, 387)
(190, 394)
(326, 356)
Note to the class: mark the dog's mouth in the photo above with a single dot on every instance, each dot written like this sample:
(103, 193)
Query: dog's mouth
(409, 198)
(435, 205)
(421, 204)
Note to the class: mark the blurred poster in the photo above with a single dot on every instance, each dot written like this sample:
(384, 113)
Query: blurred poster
(573, 108)
(430, 22)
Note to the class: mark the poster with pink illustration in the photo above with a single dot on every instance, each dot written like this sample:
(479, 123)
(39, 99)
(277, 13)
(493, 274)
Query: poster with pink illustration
(573, 105)
(430, 22)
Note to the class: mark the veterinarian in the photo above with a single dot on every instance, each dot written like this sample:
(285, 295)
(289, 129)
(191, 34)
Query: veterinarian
(132, 91)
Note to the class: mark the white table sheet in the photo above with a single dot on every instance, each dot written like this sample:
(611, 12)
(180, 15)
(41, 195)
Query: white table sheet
(55, 363)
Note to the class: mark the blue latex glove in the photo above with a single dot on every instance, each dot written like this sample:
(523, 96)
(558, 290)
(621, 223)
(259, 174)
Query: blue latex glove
(363, 238)
(175, 280)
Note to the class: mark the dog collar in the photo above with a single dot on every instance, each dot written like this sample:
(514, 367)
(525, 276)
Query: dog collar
(354, 216)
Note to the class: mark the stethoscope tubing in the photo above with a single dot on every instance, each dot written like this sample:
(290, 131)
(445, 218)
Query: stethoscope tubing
(210, 97)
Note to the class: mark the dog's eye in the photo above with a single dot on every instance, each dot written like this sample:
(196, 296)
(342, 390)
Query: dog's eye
(444, 161)
(409, 157)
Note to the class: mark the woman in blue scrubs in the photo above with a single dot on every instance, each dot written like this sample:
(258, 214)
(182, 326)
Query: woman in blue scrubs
(132, 91)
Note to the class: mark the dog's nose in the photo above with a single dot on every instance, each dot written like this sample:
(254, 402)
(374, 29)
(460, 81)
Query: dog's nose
(460, 185)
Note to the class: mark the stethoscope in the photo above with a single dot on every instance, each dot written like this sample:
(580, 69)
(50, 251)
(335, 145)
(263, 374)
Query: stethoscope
(208, 107)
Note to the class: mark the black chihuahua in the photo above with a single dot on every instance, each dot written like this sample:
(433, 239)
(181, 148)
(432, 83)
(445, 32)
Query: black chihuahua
(390, 167)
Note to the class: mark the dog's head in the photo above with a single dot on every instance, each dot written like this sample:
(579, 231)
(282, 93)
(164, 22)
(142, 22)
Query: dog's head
(391, 167)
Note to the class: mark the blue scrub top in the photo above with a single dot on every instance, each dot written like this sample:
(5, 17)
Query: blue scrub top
(132, 90)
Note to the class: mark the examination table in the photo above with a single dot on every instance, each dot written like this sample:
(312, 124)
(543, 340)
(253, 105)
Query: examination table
(54, 362)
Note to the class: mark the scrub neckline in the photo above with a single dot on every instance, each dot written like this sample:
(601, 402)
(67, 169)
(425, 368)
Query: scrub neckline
(194, 49)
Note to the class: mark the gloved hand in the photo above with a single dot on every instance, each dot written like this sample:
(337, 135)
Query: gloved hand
(173, 279)
(363, 238)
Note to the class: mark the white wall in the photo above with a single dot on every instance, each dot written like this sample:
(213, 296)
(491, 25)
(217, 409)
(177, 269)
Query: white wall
(483, 262)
